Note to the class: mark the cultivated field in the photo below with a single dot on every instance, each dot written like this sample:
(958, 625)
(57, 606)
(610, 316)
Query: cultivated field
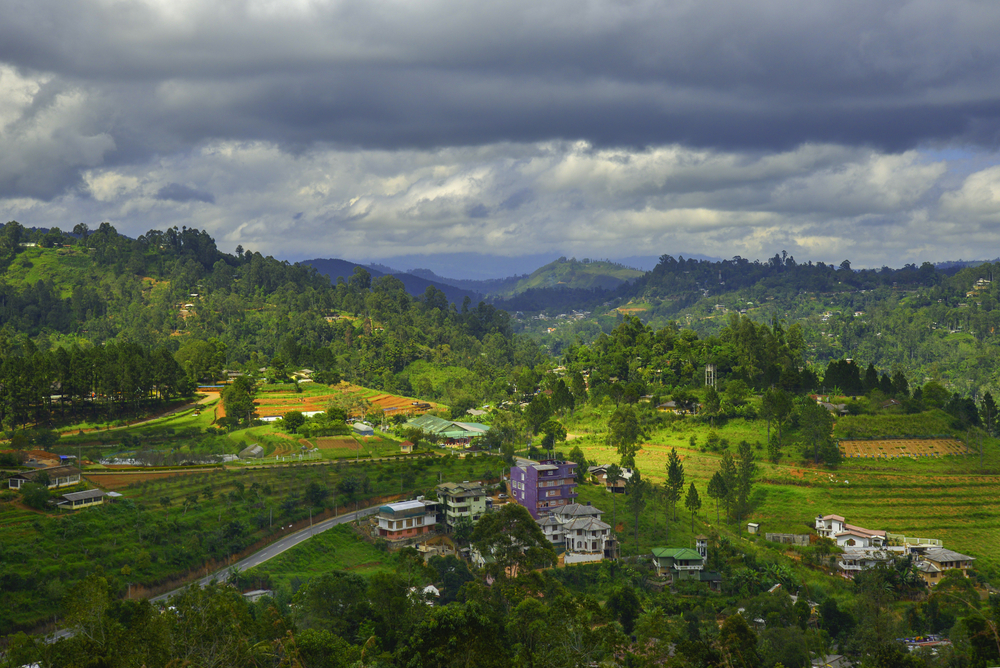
(319, 397)
(903, 447)
(337, 443)
(120, 479)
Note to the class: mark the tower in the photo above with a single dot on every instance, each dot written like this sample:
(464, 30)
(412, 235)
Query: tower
(710, 375)
(701, 546)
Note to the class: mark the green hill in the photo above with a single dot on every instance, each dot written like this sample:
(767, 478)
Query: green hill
(573, 273)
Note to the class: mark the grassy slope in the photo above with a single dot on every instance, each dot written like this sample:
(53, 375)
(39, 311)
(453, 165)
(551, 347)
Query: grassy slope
(575, 274)
(61, 266)
(338, 548)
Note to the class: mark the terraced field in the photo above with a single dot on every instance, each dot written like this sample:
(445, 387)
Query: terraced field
(318, 397)
(902, 447)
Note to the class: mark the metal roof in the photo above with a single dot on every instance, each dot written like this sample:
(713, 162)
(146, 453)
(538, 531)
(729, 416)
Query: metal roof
(679, 553)
(81, 496)
(940, 554)
(403, 505)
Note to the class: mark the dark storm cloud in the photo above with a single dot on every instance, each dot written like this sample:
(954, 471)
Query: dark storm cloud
(176, 192)
(389, 126)
(722, 74)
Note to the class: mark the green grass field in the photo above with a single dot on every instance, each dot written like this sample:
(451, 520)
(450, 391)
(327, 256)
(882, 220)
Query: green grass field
(337, 549)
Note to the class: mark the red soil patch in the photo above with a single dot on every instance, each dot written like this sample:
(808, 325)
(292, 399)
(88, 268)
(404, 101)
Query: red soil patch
(337, 443)
(114, 481)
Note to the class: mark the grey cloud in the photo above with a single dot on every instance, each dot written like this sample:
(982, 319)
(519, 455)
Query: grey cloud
(177, 192)
(818, 202)
(723, 74)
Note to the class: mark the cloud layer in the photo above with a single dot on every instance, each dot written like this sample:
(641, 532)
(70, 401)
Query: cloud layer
(374, 128)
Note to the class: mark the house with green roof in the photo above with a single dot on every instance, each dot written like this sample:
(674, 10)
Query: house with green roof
(680, 563)
(683, 563)
(452, 432)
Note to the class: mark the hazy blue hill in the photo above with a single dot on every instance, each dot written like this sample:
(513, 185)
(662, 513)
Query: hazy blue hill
(486, 286)
(415, 285)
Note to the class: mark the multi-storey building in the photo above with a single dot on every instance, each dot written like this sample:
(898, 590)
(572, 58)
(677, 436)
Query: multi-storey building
(580, 530)
(543, 486)
(456, 500)
(407, 519)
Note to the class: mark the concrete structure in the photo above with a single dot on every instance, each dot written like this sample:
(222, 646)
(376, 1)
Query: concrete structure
(753, 527)
(407, 519)
(684, 564)
(579, 529)
(680, 563)
(457, 500)
(59, 476)
(257, 594)
(848, 535)
(936, 561)
(78, 500)
(600, 473)
(856, 559)
(801, 539)
(543, 486)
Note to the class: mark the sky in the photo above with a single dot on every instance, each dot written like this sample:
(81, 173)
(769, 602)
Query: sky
(379, 129)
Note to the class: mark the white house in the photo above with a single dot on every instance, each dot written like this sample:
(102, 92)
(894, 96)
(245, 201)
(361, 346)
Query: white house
(580, 530)
(847, 535)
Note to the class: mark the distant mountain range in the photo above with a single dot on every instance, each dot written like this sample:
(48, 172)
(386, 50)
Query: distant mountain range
(414, 285)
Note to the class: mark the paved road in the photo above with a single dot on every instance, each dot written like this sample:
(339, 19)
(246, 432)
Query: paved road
(255, 559)
(276, 548)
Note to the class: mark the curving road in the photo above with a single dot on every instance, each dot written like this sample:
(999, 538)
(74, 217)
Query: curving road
(274, 549)
(255, 559)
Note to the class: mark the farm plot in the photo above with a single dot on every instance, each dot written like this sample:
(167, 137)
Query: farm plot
(902, 447)
(337, 443)
(317, 399)
(118, 480)
(393, 405)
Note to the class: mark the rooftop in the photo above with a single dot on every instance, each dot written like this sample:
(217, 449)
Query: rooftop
(940, 554)
(678, 553)
(83, 496)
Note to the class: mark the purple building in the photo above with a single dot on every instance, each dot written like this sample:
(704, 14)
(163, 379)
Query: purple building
(543, 486)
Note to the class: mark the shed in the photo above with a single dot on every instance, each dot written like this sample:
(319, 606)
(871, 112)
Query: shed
(406, 447)
(253, 451)
(58, 476)
(77, 500)
(257, 594)
(363, 429)
(753, 527)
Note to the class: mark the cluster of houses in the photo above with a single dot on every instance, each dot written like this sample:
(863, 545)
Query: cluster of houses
(864, 548)
(547, 489)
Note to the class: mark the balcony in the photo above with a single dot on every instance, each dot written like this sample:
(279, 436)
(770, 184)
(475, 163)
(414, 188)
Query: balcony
(678, 567)
(850, 567)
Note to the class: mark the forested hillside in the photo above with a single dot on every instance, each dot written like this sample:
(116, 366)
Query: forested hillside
(175, 291)
(928, 323)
